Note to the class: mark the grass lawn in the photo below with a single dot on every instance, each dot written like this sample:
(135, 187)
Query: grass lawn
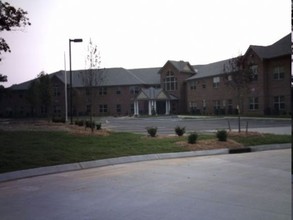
(30, 149)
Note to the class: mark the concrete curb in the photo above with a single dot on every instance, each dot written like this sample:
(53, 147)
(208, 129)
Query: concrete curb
(121, 160)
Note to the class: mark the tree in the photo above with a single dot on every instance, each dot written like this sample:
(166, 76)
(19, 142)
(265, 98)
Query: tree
(3, 78)
(45, 92)
(10, 19)
(92, 78)
(32, 96)
(238, 76)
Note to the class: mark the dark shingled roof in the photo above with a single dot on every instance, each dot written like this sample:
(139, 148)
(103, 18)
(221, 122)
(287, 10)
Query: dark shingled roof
(151, 76)
(109, 77)
(211, 69)
(182, 66)
(280, 48)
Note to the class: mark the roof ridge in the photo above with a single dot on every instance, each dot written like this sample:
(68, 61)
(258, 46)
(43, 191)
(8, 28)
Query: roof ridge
(135, 76)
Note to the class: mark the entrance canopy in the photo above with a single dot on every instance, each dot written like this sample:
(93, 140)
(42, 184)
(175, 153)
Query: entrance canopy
(152, 95)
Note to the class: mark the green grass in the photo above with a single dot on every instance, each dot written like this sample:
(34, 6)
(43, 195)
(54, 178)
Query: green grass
(264, 139)
(30, 149)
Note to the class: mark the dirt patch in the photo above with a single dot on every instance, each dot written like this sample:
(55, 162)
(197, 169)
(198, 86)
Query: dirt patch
(245, 134)
(209, 145)
(215, 144)
(43, 125)
(82, 131)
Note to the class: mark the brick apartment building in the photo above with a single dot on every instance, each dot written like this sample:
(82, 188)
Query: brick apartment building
(177, 87)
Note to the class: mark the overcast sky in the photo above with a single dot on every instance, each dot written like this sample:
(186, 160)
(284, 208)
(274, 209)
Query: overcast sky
(139, 33)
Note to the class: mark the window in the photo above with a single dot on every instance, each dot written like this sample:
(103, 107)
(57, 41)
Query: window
(279, 73)
(203, 86)
(118, 108)
(216, 82)
(254, 72)
(192, 107)
(204, 103)
(230, 106)
(253, 103)
(56, 91)
(279, 102)
(103, 108)
(192, 85)
(44, 109)
(118, 91)
(170, 82)
(132, 108)
(57, 109)
(216, 104)
(88, 109)
(87, 91)
(103, 91)
(134, 90)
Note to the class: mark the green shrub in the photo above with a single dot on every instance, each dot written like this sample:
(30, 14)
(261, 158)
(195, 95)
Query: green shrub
(90, 124)
(152, 131)
(179, 130)
(222, 135)
(58, 120)
(79, 122)
(99, 126)
(192, 138)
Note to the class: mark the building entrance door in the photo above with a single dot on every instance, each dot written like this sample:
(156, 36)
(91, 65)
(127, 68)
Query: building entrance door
(161, 107)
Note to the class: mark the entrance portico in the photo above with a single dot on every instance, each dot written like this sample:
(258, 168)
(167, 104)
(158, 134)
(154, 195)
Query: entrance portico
(158, 101)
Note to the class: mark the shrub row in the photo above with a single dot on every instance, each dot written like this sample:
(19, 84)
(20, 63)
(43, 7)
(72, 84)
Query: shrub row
(192, 138)
(88, 124)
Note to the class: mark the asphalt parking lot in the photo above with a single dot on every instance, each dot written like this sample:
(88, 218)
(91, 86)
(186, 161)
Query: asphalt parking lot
(166, 124)
(244, 186)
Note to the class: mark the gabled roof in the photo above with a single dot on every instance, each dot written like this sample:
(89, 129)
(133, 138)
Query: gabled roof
(181, 66)
(21, 86)
(280, 48)
(154, 94)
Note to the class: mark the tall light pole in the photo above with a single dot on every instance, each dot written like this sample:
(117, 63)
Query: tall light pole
(78, 40)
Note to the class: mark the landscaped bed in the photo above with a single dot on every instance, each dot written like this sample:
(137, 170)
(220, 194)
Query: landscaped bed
(45, 144)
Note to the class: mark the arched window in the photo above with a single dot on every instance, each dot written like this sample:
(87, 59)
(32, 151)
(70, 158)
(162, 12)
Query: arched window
(170, 82)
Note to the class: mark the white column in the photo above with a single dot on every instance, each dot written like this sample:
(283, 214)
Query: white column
(155, 106)
(167, 107)
(150, 107)
(134, 108)
(137, 108)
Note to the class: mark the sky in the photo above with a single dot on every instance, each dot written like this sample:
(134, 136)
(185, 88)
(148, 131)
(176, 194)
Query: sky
(139, 33)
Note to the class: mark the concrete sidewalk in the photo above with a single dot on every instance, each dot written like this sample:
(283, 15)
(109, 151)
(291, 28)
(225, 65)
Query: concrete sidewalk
(122, 160)
(248, 186)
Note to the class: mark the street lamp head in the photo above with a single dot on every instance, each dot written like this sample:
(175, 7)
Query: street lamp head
(77, 40)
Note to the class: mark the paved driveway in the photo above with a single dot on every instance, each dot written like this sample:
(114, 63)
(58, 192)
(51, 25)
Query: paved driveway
(249, 186)
(167, 124)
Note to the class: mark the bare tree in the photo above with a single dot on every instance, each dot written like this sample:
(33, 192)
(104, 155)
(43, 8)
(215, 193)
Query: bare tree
(92, 78)
(238, 76)
(45, 92)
